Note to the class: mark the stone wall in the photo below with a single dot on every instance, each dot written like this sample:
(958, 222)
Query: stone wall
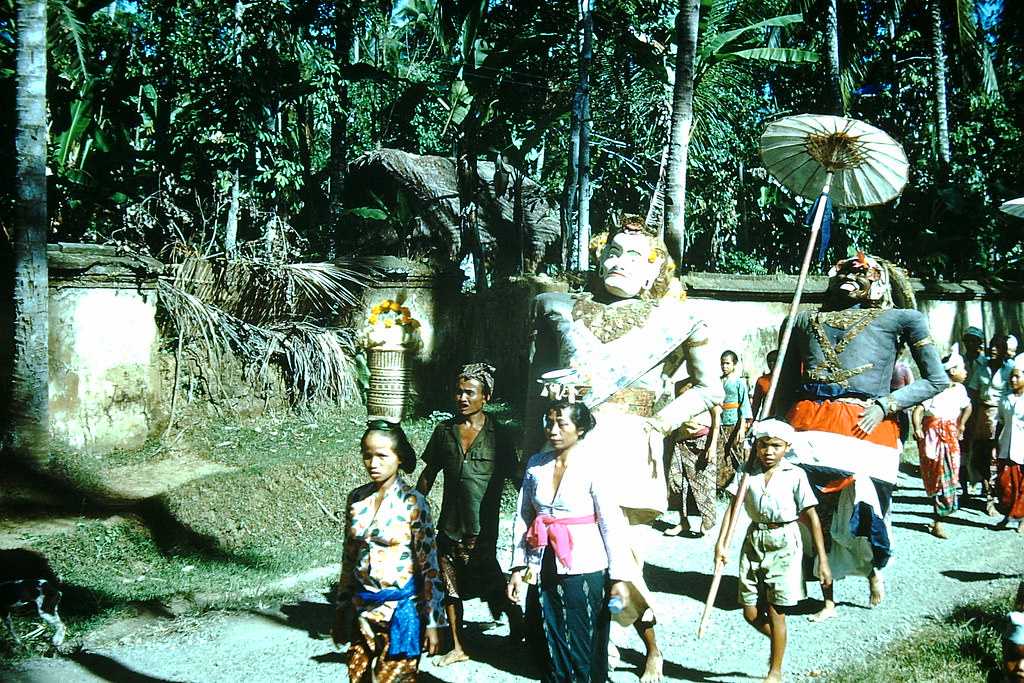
(105, 380)
(744, 313)
(104, 369)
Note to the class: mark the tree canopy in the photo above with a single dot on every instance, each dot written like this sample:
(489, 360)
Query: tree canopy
(205, 124)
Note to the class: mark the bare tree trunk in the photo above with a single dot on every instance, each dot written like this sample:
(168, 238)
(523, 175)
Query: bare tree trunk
(938, 63)
(681, 127)
(586, 57)
(231, 227)
(830, 59)
(344, 38)
(29, 419)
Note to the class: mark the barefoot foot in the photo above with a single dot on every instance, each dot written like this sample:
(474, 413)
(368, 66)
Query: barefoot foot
(827, 612)
(653, 667)
(674, 531)
(773, 677)
(937, 531)
(452, 657)
(877, 583)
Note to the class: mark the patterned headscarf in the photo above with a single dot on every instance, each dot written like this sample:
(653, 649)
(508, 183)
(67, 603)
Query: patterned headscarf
(481, 372)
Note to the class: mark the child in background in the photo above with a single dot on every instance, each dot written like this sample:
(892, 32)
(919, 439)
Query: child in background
(771, 573)
(390, 586)
(1010, 463)
(762, 384)
(691, 470)
(939, 425)
(733, 426)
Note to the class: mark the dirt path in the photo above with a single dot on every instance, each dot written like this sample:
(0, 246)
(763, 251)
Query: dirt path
(287, 642)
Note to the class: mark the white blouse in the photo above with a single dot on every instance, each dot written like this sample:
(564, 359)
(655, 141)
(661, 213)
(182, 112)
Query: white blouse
(948, 404)
(584, 490)
(1011, 438)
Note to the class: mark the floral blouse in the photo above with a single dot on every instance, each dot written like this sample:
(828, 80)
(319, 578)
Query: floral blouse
(387, 549)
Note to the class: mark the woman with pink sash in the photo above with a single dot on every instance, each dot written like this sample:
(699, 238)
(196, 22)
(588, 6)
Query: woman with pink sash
(571, 550)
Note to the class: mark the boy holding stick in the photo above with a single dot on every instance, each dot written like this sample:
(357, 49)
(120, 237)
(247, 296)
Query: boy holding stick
(771, 574)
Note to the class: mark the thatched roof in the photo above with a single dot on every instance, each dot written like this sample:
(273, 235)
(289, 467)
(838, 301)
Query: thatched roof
(430, 184)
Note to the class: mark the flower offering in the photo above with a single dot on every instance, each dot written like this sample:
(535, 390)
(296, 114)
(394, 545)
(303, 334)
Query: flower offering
(391, 325)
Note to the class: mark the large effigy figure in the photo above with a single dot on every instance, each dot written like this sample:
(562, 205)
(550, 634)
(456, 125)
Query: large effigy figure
(835, 380)
(623, 347)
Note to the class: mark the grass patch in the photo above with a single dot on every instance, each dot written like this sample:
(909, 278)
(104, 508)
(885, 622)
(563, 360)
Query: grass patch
(962, 647)
(225, 540)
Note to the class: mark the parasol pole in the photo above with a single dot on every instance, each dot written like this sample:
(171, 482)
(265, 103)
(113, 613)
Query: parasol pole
(787, 332)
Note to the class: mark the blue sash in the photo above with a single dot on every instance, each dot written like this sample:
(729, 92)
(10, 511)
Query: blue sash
(405, 633)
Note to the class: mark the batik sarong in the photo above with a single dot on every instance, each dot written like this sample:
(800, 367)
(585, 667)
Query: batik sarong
(691, 475)
(368, 656)
(939, 453)
(470, 569)
(575, 623)
(730, 455)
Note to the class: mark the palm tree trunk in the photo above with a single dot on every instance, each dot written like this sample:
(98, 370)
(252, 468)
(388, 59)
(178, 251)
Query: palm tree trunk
(29, 418)
(344, 39)
(577, 177)
(583, 215)
(830, 59)
(681, 127)
(939, 84)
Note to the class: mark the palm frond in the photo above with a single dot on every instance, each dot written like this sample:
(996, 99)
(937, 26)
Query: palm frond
(318, 362)
(262, 293)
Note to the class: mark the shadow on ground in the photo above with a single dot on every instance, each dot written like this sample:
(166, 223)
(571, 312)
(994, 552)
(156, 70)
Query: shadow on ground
(693, 585)
(675, 671)
(112, 670)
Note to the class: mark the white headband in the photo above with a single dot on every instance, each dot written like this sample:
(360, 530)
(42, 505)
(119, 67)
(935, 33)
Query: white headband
(954, 359)
(773, 429)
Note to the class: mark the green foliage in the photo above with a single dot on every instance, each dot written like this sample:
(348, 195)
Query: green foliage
(285, 95)
(963, 645)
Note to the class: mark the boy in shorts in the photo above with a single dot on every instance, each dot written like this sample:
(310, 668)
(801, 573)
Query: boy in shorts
(771, 573)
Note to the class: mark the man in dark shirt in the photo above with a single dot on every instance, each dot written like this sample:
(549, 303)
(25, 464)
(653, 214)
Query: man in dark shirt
(476, 455)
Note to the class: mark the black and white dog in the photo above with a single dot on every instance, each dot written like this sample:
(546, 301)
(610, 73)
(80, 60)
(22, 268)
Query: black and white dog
(40, 593)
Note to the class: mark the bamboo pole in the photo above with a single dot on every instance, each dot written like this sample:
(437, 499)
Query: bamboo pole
(787, 333)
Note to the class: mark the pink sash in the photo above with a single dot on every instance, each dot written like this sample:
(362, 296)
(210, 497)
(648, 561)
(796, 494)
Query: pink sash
(547, 530)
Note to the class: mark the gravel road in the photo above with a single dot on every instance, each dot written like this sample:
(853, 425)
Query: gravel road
(287, 642)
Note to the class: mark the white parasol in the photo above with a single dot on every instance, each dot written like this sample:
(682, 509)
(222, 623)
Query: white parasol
(825, 157)
(802, 152)
(1014, 207)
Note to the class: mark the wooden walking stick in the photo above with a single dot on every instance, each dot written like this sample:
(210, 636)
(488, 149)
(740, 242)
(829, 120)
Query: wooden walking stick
(787, 332)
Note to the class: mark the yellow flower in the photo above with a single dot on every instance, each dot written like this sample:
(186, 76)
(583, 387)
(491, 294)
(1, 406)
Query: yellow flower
(653, 256)
(373, 319)
(671, 266)
(682, 296)
(389, 323)
(395, 307)
(385, 304)
(375, 310)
